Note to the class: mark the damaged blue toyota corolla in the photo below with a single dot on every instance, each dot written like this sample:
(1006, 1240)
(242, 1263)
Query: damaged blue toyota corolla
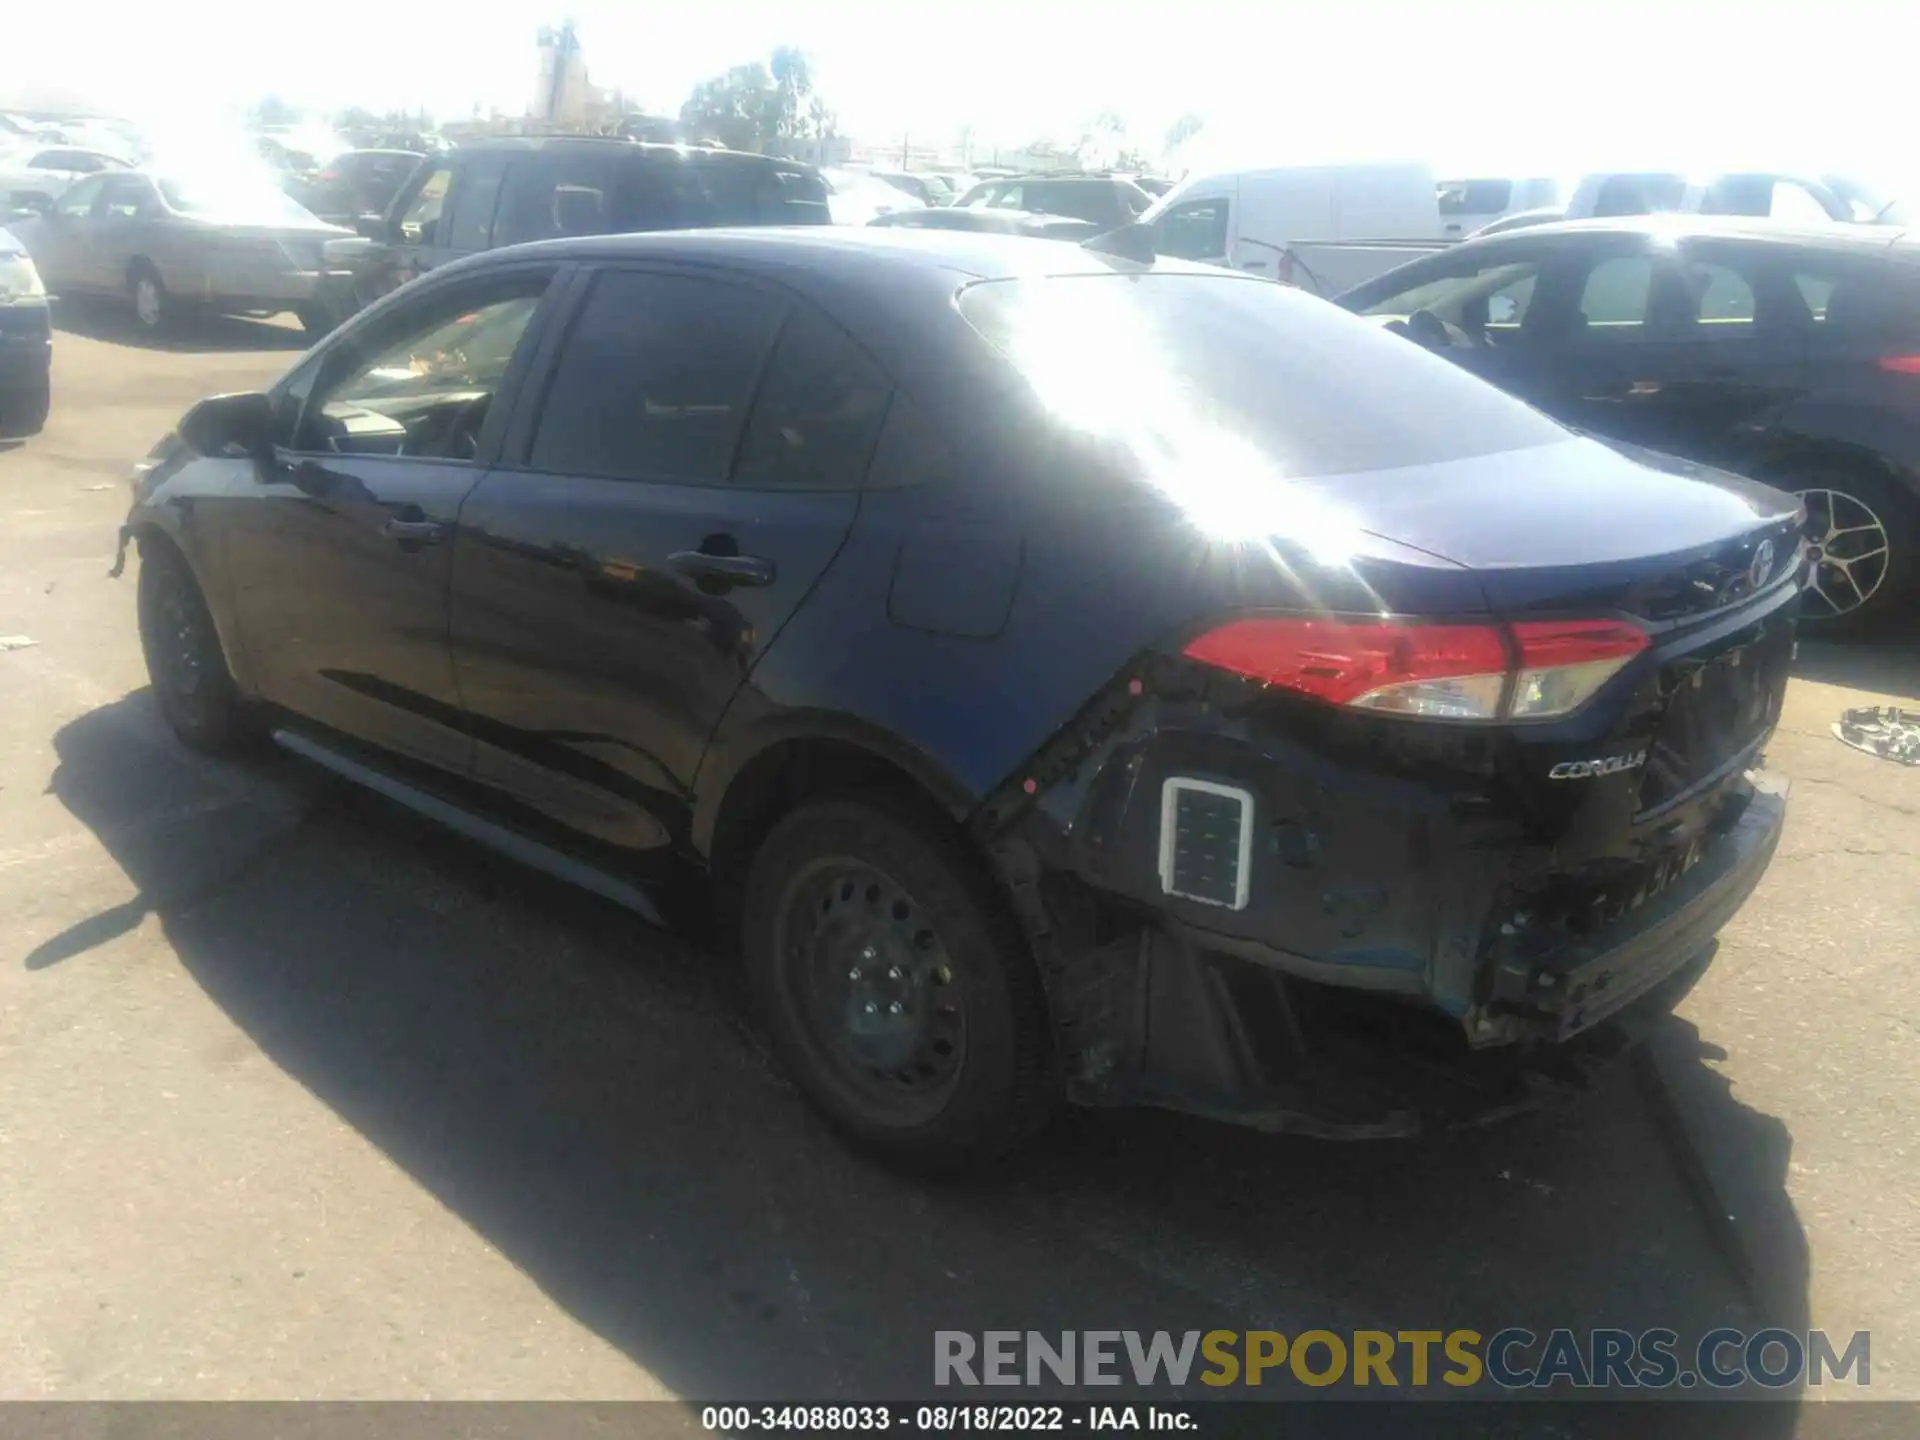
(1069, 677)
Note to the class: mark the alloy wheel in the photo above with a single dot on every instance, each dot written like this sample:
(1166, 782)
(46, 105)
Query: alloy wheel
(1848, 551)
(182, 645)
(876, 990)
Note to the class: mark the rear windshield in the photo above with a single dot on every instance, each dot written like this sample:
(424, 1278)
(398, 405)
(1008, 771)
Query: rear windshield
(1196, 369)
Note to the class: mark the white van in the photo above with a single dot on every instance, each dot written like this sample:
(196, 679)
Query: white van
(1323, 227)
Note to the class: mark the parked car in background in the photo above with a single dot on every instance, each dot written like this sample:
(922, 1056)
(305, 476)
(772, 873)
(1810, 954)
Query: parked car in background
(925, 186)
(173, 243)
(1076, 678)
(1788, 354)
(26, 343)
(33, 178)
(1797, 199)
(1108, 201)
(856, 197)
(1468, 206)
(1323, 228)
(982, 220)
(1154, 185)
(355, 183)
(512, 190)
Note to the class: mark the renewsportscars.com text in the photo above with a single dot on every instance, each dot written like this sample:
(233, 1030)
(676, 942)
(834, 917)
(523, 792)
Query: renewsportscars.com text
(1511, 1359)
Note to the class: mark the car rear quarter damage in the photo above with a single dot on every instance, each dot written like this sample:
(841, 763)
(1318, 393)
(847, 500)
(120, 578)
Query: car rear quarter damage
(1253, 905)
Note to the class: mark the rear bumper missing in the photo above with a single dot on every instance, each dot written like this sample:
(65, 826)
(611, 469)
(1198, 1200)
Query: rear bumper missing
(1557, 993)
(1375, 964)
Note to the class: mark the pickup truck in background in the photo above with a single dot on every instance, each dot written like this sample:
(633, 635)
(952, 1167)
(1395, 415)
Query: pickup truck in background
(1323, 228)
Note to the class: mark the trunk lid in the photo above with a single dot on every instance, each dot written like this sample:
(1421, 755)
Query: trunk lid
(1584, 526)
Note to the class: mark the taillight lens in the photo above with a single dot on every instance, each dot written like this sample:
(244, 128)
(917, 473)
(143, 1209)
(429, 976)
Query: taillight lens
(1900, 364)
(1453, 672)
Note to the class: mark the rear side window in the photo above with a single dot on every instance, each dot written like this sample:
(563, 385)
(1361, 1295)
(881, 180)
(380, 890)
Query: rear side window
(550, 196)
(1613, 302)
(694, 193)
(655, 379)
(1723, 300)
(1226, 383)
(1639, 194)
(818, 414)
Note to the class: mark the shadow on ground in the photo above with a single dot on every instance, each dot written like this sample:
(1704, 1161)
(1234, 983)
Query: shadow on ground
(190, 332)
(582, 1092)
(1885, 663)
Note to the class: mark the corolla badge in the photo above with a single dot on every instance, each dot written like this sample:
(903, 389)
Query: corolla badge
(1762, 566)
(1604, 765)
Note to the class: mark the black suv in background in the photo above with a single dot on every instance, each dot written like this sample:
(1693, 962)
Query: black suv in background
(1109, 201)
(513, 190)
(1789, 355)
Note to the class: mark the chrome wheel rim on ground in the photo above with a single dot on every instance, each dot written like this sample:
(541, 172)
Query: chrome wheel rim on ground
(875, 991)
(146, 300)
(1848, 553)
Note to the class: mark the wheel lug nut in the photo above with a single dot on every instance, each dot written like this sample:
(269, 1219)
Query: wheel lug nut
(893, 973)
(854, 973)
(867, 953)
(894, 1008)
(872, 1009)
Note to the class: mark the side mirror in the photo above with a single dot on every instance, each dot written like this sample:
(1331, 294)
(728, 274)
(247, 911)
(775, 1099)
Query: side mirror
(18, 215)
(234, 425)
(372, 227)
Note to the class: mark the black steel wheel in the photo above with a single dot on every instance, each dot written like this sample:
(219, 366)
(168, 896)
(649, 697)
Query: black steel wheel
(195, 690)
(896, 987)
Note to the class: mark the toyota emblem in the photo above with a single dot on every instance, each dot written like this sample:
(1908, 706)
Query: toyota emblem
(1762, 565)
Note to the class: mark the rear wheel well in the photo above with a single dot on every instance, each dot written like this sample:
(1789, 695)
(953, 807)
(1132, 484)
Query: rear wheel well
(790, 773)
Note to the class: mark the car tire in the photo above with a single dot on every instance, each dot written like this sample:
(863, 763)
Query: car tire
(24, 412)
(896, 985)
(317, 320)
(1864, 530)
(185, 661)
(153, 307)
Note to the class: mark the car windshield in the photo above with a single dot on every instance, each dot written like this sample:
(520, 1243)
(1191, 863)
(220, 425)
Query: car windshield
(232, 202)
(1213, 384)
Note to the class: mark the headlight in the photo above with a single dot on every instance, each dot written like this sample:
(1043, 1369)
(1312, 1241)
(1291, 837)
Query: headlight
(19, 280)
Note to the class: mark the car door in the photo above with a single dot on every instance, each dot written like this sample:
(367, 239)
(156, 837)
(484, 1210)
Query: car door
(1606, 319)
(340, 554)
(62, 247)
(693, 470)
(123, 225)
(416, 237)
(1198, 229)
(1732, 355)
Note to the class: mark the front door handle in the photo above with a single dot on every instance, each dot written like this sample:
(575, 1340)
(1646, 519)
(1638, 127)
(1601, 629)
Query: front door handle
(722, 569)
(413, 532)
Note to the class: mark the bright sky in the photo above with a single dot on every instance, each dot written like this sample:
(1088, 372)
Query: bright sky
(1471, 85)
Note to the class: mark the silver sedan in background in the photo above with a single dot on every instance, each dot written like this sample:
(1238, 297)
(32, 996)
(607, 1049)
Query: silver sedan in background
(168, 244)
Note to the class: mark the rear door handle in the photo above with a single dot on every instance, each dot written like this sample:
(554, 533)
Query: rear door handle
(726, 569)
(413, 532)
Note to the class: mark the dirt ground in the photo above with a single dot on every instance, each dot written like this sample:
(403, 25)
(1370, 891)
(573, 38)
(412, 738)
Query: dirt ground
(300, 1098)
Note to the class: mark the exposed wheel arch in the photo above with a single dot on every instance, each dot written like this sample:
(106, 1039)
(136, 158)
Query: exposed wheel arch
(789, 770)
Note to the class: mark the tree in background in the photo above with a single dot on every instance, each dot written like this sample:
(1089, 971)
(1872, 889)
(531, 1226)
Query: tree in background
(1183, 130)
(758, 106)
(272, 110)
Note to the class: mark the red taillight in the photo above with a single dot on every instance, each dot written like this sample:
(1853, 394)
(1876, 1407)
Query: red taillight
(1900, 364)
(1460, 672)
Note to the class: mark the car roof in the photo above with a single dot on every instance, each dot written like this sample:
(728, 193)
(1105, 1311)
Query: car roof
(613, 144)
(1837, 235)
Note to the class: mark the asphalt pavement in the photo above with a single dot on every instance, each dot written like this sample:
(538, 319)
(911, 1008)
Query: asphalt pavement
(300, 1098)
